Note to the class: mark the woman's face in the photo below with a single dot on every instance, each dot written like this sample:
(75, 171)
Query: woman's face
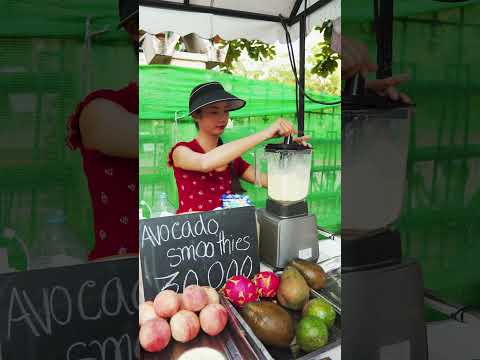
(213, 118)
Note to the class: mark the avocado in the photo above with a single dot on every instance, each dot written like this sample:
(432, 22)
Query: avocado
(312, 334)
(271, 323)
(293, 292)
(313, 273)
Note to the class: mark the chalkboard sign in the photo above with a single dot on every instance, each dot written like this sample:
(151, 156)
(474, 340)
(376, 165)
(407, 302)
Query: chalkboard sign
(80, 312)
(203, 248)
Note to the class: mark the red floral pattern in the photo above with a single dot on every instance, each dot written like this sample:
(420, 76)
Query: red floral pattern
(112, 182)
(198, 191)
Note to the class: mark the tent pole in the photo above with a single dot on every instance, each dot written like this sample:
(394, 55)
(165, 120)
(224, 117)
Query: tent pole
(384, 33)
(301, 96)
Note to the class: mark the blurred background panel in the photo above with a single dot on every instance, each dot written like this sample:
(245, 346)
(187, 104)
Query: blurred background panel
(50, 59)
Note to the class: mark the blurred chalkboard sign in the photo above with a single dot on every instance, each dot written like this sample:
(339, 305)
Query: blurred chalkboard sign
(87, 311)
(203, 248)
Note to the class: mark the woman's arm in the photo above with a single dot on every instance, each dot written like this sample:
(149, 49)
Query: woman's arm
(187, 159)
(107, 127)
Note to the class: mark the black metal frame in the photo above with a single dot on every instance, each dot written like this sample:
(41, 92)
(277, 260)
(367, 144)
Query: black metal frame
(383, 17)
(310, 10)
(301, 80)
(293, 19)
(186, 6)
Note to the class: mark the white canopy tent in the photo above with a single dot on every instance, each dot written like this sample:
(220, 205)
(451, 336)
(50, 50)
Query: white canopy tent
(231, 19)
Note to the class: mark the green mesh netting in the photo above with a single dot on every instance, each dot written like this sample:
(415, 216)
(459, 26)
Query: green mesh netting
(57, 19)
(164, 90)
(41, 81)
(442, 200)
(362, 10)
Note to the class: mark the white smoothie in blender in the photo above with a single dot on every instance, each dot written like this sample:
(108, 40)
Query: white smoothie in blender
(288, 181)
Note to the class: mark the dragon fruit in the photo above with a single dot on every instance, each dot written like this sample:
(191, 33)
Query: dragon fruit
(267, 284)
(240, 290)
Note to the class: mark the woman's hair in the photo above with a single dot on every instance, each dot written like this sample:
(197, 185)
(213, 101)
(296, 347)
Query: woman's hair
(197, 114)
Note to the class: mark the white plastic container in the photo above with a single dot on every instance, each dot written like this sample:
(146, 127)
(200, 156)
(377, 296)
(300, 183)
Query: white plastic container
(56, 244)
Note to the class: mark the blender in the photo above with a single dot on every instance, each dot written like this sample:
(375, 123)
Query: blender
(382, 292)
(286, 229)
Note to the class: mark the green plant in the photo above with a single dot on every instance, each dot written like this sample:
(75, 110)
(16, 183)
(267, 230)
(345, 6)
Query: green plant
(256, 49)
(326, 57)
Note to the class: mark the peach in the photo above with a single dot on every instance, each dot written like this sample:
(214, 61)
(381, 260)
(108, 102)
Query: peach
(155, 335)
(166, 303)
(212, 295)
(213, 319)
(146, 312)
(194, 298)
(185, 326)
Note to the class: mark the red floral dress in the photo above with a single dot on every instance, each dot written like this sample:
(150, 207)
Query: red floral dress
(112, 182)
(198, 191)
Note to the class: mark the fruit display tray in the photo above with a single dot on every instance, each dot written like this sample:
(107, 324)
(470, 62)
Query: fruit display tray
(231, 343)
(264, 352)
(332, 291)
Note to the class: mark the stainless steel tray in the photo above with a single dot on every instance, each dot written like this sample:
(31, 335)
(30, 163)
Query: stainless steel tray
(231, 342)
(264, 352)
(332, 292)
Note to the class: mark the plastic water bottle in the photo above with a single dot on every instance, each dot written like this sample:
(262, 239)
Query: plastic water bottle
(162, 207)
(56, 245)
(14, 255)
(4, 266)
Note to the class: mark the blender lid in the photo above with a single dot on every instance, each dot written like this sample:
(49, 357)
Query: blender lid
(286, 147)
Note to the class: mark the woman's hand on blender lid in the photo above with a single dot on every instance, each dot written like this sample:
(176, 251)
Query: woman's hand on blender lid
(280, 128)
(303, 140)
(284, 128)
(387, 87)
(356, 59)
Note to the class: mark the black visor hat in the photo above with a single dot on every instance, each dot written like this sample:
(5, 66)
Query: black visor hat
(127, 10)
(211, 93)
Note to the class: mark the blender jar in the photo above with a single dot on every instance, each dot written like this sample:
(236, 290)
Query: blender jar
(374, 162)
(289, 167)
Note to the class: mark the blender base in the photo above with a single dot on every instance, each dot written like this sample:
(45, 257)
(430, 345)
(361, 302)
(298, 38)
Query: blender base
(284, 239)
(383, 313)
(381, 249)
(287, 211)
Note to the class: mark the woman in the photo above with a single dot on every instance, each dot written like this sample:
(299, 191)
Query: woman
(205, 168)
(104, 127)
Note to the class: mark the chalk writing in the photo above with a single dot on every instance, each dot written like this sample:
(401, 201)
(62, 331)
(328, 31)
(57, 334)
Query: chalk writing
(81, 312)
(200, 248)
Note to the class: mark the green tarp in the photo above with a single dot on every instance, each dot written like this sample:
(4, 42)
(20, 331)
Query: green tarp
(362, 10)
(165, 89)
(54, 18)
